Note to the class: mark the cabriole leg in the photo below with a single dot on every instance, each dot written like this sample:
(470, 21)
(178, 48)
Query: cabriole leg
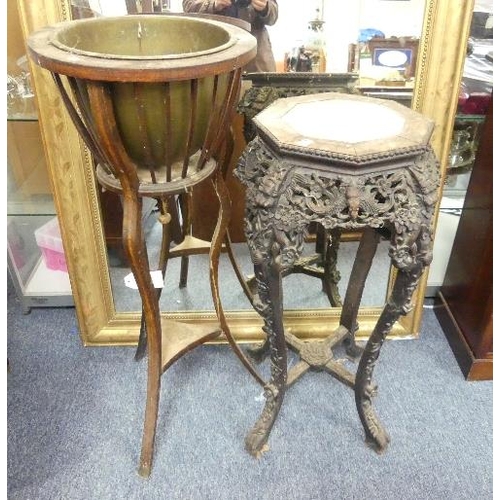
(411, 258)
(361, 267)
(135, 248)
(270, 292)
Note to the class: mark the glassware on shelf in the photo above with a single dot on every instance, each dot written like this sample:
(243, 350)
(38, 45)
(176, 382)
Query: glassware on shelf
(462, 153)
(20, 96)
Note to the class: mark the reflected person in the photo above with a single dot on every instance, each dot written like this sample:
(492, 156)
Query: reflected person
(259, 13)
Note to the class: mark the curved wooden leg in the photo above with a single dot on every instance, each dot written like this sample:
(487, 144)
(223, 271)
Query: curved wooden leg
(331, 275)
(362, 264)
(135, 248)
(142, 343)
(186, 203)
(398, 304)
(270, 291)
(259, 352)
(214, 255)
(236, 268)
(165, 219)
(364, 390)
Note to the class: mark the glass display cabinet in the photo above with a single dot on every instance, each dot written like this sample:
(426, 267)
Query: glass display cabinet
(35, 257)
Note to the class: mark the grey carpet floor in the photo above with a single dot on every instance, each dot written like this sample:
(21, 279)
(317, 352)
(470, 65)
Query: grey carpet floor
(75, 424)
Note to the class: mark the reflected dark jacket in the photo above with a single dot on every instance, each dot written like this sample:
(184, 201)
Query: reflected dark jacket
(264, 60)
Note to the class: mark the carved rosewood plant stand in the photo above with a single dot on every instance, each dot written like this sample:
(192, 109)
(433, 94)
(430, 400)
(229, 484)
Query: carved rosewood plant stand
(154, 106)
(267, 88)
(347, 162)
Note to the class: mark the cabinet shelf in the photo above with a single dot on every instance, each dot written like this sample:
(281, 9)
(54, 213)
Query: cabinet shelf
(36, 284)
(30, 204)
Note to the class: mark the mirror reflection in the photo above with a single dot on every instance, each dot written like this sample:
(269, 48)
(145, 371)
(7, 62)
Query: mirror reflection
(299, 290)
(374, 40)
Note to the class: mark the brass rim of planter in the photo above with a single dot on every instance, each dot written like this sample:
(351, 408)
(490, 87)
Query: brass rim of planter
(54, 48)
(71, 37)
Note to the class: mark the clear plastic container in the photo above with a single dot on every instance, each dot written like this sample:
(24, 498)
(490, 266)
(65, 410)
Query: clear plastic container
(48, 239)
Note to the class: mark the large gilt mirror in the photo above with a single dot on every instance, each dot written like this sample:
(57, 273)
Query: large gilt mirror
(108, 311)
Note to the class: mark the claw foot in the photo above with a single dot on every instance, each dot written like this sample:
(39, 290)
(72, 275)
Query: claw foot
(256, 443)
(378, 442)
(353, 350)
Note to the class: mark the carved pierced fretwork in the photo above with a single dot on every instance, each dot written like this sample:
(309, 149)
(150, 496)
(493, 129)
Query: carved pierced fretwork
(283, 199)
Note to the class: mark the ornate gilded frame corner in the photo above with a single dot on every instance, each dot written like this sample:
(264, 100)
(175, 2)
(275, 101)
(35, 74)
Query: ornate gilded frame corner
(441, 54)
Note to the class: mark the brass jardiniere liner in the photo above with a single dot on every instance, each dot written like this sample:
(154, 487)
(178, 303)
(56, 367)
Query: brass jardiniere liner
(154, 98)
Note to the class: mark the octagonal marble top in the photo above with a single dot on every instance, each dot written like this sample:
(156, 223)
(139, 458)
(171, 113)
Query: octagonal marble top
(351, 128)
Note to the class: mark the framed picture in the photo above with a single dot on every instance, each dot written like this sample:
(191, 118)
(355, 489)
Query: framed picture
(398, 53)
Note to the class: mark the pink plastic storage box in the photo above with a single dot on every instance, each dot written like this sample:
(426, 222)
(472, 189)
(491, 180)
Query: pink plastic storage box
(48, 238)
